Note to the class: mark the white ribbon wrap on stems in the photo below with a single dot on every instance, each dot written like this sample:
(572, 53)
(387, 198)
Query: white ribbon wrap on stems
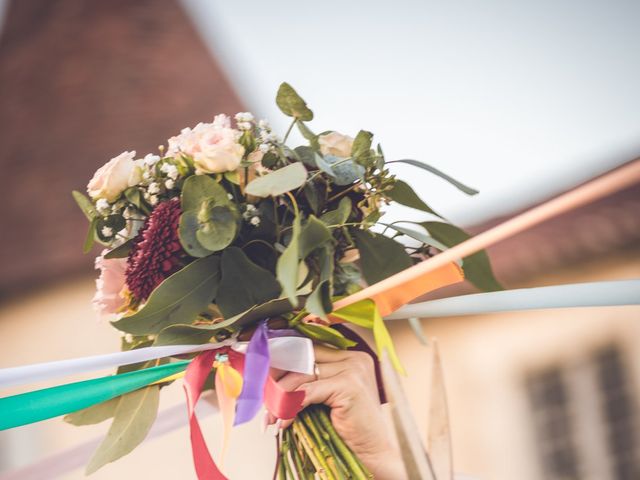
(294, 354)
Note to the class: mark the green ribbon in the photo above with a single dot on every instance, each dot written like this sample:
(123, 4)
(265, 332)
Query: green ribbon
(39, 405)
(364, 313)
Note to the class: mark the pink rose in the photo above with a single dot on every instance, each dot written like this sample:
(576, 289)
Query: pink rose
(114, 177)
(110, 284)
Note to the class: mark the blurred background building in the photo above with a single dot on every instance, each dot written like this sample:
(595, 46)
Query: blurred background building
(522, 101)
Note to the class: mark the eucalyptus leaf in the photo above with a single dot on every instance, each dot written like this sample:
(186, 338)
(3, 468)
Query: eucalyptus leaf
(308, 134)
(287, 266)
(85, 205)
(199, 188)
(220, 228)
(319, 301)
(278, 182)
(244, 284)
(313, 196)
(178, 299)
(121, 251)
(91, 236)
(435, 171)
(416, 235)
(187, 230)
(404, 194)
(361, 148)
(313, 234)
(477, 267)
(134, 196)
(344, 171)
(269, 160)
(133, 418)
(93, 414)
(380, 256)
(306, 156)
(291, 104)
(338, 216)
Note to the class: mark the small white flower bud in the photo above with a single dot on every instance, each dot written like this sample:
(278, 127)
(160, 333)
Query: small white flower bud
(170, 184)
(255, 221)
(153, 199)
(264, 147)
(107, 232)
(154, 188)
(102, 205)
(150, 159)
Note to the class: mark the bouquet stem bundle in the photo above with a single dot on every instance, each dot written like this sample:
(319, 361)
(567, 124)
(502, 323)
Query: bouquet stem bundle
(311, 448)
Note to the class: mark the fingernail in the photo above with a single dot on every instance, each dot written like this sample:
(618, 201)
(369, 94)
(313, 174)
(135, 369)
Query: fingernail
(265, 422)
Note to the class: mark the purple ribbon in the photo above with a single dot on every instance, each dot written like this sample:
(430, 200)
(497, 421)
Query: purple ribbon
(256, 371)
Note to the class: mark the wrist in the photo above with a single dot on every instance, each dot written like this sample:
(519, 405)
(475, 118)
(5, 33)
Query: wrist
(385, 465)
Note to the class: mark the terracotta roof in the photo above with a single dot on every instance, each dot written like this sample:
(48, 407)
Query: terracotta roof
(81, 81)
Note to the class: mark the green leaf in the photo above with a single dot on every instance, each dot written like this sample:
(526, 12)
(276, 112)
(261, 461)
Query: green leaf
(94, 414)
(306, 156)
(276, 183)
(404, 194)
(340, 215)
(121, 251)
(187, 230)
(309, 135)
(244, 284)
(324, 334)
(380, 256)
(477, 267)
(343, 171)
(361, 148)
(314, 234)
(220, 228)
(199, 334)
(91, 236)
(179, 299)
(134, 196)
(199, 188)
(435, 171)
(85, 205)
(287, 266)
(291, 104)
(416, 235)
(313, 195)
(319, 301)
(134, 416)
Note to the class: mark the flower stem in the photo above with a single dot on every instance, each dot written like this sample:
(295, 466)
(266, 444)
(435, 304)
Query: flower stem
(305, 416)
(316, 458)
(355, 466)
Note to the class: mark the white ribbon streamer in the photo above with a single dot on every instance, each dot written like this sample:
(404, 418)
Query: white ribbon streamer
(294, 354)
(594, 294)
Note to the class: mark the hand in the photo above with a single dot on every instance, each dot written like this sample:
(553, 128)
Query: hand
(347, 384)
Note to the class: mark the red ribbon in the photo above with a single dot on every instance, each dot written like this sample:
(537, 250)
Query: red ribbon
(280, 403)
(197, 373)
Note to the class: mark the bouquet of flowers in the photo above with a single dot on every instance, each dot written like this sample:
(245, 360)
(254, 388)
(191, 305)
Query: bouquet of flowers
(231, 239)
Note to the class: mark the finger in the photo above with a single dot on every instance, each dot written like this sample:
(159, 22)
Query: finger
(326, 354)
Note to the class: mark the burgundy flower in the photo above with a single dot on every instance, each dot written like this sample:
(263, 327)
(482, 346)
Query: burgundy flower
(156, 251)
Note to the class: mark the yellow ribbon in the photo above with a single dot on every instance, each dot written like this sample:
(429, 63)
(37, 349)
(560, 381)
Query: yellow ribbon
(228, 383)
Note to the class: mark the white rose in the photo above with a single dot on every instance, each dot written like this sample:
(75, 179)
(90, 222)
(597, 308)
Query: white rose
(114, 177)
(218, 151)
(335, 144)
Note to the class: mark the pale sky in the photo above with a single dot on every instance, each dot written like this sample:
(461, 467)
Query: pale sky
(519, 99)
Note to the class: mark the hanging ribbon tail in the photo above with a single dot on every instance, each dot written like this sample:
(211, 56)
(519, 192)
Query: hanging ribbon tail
(256, 371)
(228, 384)
(194, 380)
(280, 403)
(363, 346)
(38, 405)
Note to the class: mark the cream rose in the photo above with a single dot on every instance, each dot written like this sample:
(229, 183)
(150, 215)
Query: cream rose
(335, 144)
(218, 151)
(114, 177)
